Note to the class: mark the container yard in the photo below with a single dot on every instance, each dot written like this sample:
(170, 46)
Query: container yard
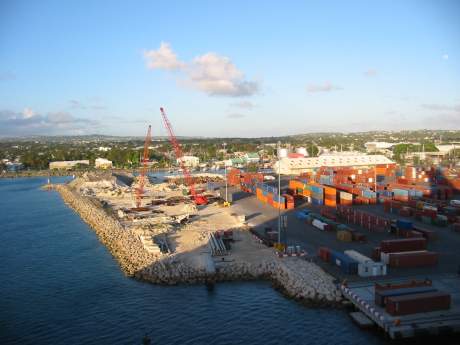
(378, 225)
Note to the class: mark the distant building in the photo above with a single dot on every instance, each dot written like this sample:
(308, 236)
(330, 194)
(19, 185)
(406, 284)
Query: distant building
(13, 166)
(295, 166)
(302, 151)
(189, 161)
(251, 157)
(67, 164)
(103, 148)
(446, 149)
(378, 146)
(102, 163)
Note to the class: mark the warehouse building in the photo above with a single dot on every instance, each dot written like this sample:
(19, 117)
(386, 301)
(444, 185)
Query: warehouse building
(67, 164)
(189, 161)
(295, 166)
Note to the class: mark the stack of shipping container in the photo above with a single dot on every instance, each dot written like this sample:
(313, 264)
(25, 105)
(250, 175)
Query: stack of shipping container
(411, 298)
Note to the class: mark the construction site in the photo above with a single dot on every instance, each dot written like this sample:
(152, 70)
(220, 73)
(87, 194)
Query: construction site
(380, 238)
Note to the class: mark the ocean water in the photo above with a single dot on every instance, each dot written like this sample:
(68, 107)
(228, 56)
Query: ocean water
(59, 285)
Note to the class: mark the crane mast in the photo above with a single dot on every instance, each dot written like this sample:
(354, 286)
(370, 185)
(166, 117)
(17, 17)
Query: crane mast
(145, 160)
(198, 199)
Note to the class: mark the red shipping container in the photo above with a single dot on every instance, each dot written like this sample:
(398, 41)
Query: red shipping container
(324, 253)
(418, 303)
(430, 235)
(410, 284)
(403, 245)
(413, 259)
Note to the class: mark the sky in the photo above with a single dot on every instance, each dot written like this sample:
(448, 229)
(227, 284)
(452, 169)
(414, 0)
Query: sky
(228, 68)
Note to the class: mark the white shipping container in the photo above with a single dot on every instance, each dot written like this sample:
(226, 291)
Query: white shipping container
(358, 256)
(318, 224)
(455, 203)
(372, 269)
(366, 266)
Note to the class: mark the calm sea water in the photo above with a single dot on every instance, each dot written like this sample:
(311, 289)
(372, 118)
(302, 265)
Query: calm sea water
(59, 285)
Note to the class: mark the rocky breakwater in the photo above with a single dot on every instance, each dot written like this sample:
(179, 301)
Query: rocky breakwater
(294, 277)
(124, 245)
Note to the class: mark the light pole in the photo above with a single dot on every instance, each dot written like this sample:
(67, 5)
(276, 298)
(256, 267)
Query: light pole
(279, 193)
(225, 169)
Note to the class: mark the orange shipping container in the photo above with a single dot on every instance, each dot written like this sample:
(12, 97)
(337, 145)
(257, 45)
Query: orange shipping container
(331, 203)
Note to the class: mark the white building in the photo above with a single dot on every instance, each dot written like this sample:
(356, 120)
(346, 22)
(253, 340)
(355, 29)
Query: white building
(446, 149)
(102, 163)
(189, 161)
(252, 157)
(103, 148)
(302, 151)
(295, 166)
(376, 146)
(67, 164)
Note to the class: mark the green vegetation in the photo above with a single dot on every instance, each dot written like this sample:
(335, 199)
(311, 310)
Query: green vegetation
(36, 153)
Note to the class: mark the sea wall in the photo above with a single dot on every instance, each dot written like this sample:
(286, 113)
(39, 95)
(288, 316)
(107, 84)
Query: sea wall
(295, 277)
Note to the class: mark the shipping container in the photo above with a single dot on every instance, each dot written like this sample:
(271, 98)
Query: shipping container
(430, 235)
(366, 266)
(324, 253)
(421, 258)
(403, 224)
(232, 194)
(418, 303)
(401, 245)
(346, 264)
(381, 297)
(319, 224)
(344, 236)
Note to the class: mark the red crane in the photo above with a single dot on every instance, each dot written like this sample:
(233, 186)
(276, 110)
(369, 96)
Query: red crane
(198, 198)
(145, 160)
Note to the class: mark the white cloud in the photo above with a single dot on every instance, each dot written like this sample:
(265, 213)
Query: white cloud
(162, 58)
(29, 122)
(235, 116)
(371, 72)
(243, 105)
(28, 113)
(444, 107)
(214, 74)
(445, 57)
(326, 87)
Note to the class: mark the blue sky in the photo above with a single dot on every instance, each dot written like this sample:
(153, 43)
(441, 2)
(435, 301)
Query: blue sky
(234, 68)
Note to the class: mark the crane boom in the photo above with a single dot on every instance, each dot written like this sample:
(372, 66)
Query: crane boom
(199, 199)
(145, 159)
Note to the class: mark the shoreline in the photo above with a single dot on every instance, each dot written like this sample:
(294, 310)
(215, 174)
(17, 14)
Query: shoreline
(295, 278)
(58, 172)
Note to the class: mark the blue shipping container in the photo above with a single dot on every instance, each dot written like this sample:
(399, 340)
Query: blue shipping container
(346, 264)
(317, 201)
(403, 224)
